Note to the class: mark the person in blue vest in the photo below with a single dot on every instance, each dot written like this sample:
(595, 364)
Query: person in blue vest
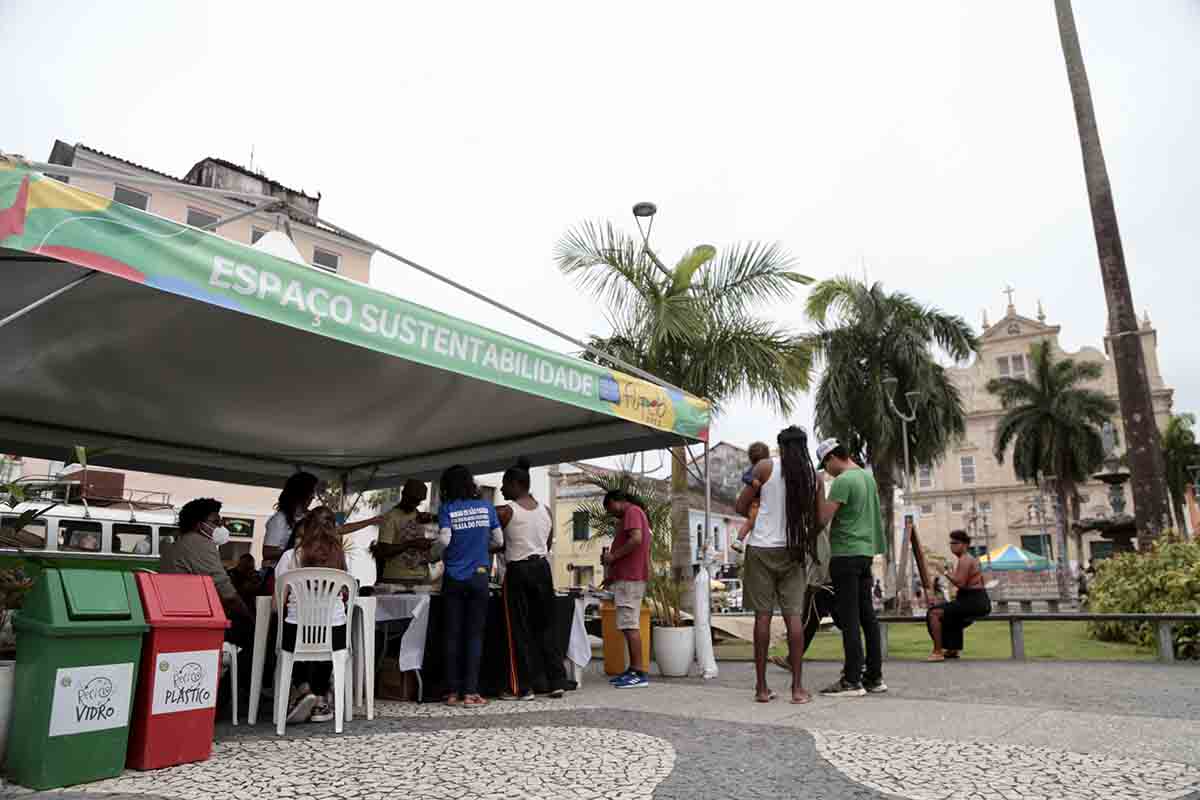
(468, 530)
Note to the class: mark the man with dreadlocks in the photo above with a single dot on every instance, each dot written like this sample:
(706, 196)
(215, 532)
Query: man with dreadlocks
(855, 538)
(781, 546)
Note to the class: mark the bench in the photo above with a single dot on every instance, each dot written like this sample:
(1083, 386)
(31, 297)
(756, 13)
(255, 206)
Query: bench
(1016, 627)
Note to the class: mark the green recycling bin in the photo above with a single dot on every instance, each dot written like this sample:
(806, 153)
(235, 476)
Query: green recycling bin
(79, 639)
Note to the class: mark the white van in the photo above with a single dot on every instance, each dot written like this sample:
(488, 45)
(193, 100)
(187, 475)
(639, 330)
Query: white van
(88, 530)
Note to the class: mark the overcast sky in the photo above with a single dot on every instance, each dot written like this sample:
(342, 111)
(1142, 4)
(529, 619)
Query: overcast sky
(933, 142)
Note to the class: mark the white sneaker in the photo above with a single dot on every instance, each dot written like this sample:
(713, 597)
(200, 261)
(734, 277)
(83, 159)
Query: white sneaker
(303, 709)
(323, 712)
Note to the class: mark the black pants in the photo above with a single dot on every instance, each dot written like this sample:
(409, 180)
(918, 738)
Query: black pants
(317, 674)
(819, 603)
(959, 613)
(534, 661)
(852, 583)
(466, 604)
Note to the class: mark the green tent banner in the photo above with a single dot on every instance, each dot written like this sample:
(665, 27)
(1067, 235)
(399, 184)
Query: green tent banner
(47, 217)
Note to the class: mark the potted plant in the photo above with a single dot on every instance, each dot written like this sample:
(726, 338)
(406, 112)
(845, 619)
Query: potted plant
(14, 583)
(16, 579)
(672, 640)
(674, 643)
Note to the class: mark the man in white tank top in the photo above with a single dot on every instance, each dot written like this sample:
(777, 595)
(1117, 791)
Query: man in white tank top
(535, 660)
(774, 573)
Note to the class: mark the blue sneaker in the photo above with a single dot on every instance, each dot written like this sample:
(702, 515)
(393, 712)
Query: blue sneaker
(633, 681)
(618, 678)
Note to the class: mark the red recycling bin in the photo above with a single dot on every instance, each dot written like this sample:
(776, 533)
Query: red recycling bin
(176, 702)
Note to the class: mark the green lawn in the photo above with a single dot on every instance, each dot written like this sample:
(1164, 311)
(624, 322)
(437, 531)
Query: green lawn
(1054, 641)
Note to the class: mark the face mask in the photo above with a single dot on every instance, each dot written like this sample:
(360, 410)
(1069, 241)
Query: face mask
(219, 535)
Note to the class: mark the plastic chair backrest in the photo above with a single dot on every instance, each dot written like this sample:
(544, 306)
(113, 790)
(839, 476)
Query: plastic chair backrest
(316, 589)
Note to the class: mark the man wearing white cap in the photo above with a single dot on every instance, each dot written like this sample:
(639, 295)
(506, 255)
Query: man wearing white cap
(855, 538)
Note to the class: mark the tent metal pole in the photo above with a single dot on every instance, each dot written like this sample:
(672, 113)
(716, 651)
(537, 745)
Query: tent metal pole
(263, 208)
(492, 302)
(62, 290)
(122, 177)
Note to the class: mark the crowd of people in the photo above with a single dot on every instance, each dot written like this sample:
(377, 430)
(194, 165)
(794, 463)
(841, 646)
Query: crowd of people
(808, 549)
(809, 553)
(460, 540)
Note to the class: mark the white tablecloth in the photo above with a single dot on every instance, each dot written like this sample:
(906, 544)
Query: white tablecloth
(416, 607)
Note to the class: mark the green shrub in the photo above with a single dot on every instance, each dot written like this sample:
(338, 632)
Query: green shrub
(1165, 580)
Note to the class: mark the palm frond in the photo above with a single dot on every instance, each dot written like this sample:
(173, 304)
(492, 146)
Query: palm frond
(688, 265)
(842, 297)
(607, 263)
(743, 355)
(750, 273)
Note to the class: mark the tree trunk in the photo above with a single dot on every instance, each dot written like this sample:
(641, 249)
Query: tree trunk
(1143, 445)
(887, 508)
(681, 539)
(1180, 519)
(1060, 536)
(1076, 534)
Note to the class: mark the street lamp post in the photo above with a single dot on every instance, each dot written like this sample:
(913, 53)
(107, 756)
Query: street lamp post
(889, 389)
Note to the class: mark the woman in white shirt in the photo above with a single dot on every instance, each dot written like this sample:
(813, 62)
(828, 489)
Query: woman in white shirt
(297, 495)
(320, 546)
(536, 663)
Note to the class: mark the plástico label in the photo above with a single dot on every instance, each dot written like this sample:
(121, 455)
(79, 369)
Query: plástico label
(91, 698)
(185, 681)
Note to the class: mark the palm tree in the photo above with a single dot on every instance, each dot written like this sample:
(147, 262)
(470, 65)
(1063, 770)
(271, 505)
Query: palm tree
(1180, 452)
(1144, 448)
(864, 335)
(1053, 426)
(695, 326)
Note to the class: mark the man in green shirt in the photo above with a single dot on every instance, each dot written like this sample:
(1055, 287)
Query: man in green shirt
(855, 538)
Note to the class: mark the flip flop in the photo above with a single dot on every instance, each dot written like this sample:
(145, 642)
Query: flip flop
(936, 657)
(770, 696)
(807, 699)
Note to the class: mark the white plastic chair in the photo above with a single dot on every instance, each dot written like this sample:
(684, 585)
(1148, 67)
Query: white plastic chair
(316, 589)
(364, 653)
(229, 654)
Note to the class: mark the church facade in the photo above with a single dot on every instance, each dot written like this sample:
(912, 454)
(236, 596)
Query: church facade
(970, 490)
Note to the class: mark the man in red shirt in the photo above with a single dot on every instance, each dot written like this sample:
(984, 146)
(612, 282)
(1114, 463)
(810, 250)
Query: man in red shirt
(628, 565)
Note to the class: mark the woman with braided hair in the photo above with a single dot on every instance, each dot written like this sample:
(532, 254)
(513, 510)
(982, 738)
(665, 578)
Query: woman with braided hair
(783, 542)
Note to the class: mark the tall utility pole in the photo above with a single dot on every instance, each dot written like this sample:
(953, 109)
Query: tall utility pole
(1143, 446)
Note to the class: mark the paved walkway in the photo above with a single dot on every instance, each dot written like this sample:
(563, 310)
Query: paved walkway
(995, 730)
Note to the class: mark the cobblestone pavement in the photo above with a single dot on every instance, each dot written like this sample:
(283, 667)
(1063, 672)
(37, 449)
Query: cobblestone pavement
(1128, 689)
(549, 749)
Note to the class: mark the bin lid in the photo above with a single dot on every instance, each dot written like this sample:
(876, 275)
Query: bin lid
(82, 602)
(95, 594)
(180, 601)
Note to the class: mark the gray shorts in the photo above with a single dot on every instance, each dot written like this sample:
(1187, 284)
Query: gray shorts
(772, 578)
(627, 597)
